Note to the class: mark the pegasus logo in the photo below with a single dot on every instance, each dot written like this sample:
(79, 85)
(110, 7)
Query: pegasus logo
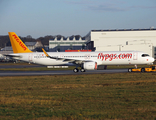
(19, 42)
(114, 56)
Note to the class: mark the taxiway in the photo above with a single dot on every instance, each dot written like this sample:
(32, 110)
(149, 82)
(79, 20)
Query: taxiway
(58, 72)
(51, 72)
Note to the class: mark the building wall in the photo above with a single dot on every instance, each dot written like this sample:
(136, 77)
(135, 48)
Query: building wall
(62, 45)
(130, 40)
(31, 47)
(148, 48)
(120, 37)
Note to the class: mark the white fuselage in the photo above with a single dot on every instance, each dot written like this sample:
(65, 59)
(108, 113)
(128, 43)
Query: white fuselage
(101, 58)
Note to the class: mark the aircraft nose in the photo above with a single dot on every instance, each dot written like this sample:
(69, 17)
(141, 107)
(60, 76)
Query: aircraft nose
(152, 60)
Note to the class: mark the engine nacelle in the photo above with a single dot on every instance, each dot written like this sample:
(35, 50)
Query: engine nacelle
(90, 65)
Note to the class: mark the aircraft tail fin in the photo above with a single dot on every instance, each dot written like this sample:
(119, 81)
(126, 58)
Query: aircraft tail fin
(17, 45)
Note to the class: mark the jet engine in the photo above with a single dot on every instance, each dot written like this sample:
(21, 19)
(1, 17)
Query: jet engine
(90, 65)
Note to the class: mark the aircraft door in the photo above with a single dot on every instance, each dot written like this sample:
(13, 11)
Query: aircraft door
(135, 56)
(61, 56)
(30, 58)
(87, 56)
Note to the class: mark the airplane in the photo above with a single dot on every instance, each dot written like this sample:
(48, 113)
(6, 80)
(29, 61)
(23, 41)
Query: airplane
(84, 60)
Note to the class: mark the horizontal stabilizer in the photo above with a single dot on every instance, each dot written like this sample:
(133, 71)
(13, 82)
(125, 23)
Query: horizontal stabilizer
(17, 56)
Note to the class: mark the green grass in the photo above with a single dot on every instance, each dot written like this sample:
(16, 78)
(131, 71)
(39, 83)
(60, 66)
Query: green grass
(97, 96)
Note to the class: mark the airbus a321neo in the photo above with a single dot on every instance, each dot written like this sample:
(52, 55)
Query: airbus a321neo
(85, 60)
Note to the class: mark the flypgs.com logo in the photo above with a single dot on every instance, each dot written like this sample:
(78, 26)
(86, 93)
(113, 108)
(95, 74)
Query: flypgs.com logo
(110, 57)
(19, 42)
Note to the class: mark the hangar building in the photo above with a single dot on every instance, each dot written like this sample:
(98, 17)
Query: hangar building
(110, 40)
(61, 44)
(123, 40)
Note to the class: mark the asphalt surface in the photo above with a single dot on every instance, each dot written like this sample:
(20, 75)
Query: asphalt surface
(19, 66)
(52, 72)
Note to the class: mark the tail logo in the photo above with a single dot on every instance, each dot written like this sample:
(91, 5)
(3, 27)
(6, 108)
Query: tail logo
(19, 42)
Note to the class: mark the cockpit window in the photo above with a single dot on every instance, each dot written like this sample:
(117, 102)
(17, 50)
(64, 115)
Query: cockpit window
(145, 55)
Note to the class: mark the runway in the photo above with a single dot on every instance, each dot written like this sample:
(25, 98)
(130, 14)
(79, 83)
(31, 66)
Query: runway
(19, 66)
(51, 72)
(58, 72)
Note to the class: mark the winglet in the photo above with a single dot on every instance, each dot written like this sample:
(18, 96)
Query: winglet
(45, 52)
(17, 45)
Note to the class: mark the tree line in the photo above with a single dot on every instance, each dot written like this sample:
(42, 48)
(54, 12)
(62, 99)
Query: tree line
(5, 41)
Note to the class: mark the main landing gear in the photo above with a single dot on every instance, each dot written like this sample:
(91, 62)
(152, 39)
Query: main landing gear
(75, 70)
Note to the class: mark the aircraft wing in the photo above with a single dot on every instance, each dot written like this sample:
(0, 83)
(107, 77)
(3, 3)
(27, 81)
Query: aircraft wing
(66, 59)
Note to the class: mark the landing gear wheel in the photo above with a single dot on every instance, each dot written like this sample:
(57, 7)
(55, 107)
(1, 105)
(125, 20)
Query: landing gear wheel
(75, 70)
(129, 70)
(82, 70)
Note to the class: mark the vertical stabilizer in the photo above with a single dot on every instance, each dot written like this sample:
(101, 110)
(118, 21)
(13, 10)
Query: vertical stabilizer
(17, 45)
